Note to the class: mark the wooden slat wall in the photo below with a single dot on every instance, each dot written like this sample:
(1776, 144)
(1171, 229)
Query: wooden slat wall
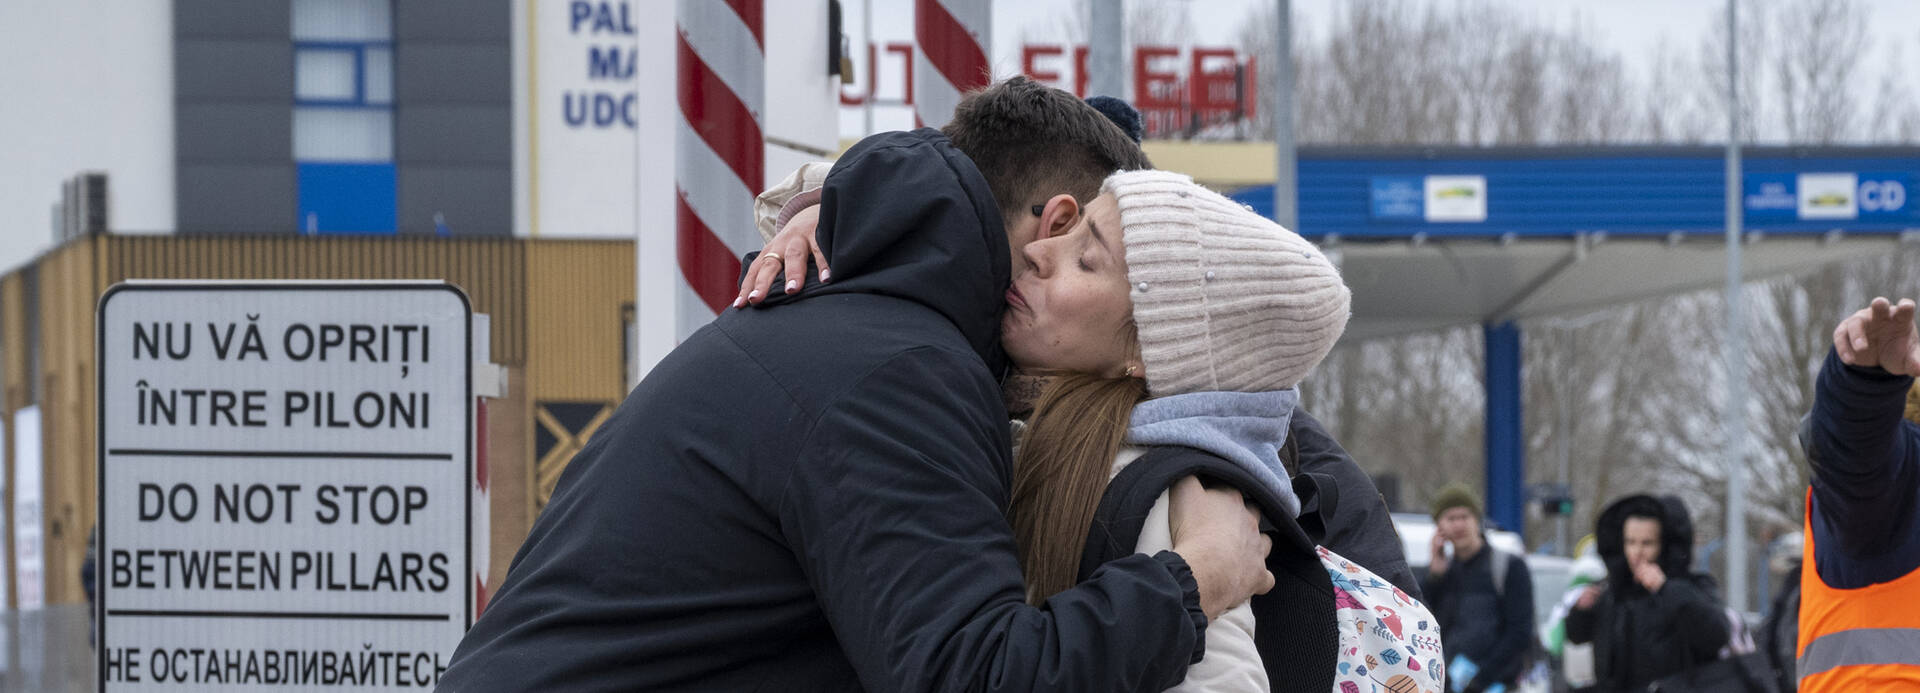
(13, 364)
(575, 292)
(68, 289)
(13, 355)
(491, 271)
(575, 295)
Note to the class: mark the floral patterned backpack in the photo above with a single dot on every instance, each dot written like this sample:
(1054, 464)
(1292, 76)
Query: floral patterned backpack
(1328, 624)
(1389, 642)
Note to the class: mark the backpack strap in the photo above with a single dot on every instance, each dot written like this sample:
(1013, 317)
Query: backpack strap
(1131, 494)
(1297, 638)
(1499, 565)
(1319, 496)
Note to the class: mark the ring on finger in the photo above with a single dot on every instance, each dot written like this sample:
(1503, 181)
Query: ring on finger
(770, 255)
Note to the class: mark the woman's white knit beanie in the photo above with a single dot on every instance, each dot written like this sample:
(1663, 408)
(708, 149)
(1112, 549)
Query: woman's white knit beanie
(1223, 298)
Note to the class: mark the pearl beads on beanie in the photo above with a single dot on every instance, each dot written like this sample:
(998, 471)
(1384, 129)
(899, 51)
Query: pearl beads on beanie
(1223, 298)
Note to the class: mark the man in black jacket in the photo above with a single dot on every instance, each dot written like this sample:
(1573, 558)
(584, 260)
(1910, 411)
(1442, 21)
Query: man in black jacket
(813, 498)
(1485, 608)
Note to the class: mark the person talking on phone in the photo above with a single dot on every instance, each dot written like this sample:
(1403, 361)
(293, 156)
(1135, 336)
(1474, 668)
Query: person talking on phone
(1482, 597)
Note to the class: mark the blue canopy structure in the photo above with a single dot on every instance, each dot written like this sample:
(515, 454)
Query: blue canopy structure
(1537, 192)
(1431, 237)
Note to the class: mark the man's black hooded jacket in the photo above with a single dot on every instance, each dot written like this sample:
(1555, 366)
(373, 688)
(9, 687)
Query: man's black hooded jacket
(812, 496)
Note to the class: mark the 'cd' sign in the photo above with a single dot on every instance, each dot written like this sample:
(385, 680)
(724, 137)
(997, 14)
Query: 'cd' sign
(283, 484)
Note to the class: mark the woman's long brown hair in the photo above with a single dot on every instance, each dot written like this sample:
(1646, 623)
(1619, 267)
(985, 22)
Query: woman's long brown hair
(1061, 470)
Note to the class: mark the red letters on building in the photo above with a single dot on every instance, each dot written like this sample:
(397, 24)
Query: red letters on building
(846, 100)
(902, 49)
(1211, 88)
(1213, 93)
(1156, 89)
(1080, 72)
(1030, 68)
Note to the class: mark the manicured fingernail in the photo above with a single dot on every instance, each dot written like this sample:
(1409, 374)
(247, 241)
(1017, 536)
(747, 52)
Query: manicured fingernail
(738, 302)
(754, 294)
(825, 274)
(791, 285)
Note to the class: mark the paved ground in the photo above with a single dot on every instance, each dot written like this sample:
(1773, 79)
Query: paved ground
(46, 650)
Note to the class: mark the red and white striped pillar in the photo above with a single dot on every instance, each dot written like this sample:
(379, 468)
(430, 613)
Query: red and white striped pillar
(481, 534)
(951, 38)
(489, 381)
(721, 85)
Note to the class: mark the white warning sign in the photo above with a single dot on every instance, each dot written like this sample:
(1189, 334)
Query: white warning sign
(284, 480)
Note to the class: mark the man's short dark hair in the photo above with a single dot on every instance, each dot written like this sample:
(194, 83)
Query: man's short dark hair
(1032, 141)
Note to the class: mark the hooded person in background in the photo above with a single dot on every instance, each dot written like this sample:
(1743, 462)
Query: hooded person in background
(1487, 618)
(1653, 617)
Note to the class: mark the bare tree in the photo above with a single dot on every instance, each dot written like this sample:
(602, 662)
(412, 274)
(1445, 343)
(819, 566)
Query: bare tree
(1790, 331)
(1712, 68)
(1409, 407)
(1820, 44)
(1894, 117)
(1524, 88)
(1628, 398)
(1396, 72)
(1588, 93)
(1797, 58)
(1148, 23)
(1672, 109)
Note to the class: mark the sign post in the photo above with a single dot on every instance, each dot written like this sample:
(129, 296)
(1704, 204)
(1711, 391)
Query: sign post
(284, 480)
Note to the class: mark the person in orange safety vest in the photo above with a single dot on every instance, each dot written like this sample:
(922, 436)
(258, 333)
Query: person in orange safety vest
(1860, 588)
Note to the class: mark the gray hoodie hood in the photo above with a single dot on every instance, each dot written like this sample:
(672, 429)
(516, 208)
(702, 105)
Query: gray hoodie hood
(1246, 428)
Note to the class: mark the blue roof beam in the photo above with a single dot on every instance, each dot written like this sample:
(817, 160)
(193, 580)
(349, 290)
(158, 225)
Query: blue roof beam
(1467, 192)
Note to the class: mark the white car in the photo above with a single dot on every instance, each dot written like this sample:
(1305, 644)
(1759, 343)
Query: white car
(1551, 574)
(1416, 537)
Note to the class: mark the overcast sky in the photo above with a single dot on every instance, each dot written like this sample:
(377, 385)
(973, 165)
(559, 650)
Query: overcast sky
(1633, 27)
